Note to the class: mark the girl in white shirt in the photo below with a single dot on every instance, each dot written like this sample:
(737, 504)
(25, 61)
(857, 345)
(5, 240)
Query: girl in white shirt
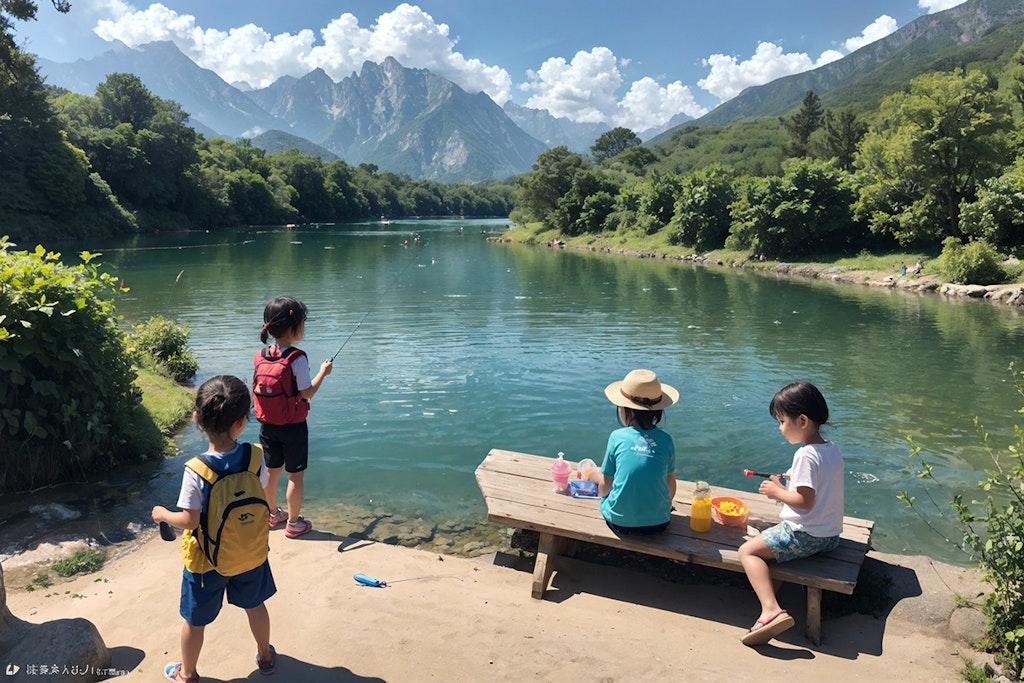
(811, 493)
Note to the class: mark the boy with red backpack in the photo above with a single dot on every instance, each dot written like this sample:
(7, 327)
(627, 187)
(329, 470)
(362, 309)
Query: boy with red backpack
(282, 387)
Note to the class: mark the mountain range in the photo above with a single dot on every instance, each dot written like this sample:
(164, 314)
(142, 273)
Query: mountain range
(407, 121)
(413, 122)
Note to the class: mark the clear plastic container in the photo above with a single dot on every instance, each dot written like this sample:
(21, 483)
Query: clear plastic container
(585, 468)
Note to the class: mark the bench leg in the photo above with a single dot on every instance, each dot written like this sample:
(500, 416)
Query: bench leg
(548, 549)
(814, 615)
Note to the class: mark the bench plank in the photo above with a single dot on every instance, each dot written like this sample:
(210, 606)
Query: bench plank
(518, 491)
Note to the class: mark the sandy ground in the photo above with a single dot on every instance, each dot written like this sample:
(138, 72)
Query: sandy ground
(461, 619)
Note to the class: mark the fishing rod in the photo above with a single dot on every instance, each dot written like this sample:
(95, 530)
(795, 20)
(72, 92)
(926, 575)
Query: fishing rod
(375, 303)
(764, 475)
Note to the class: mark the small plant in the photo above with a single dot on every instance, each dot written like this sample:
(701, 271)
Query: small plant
(83, 562)
(165, 344)
(993, 533)
(973, 673)
(40, 581)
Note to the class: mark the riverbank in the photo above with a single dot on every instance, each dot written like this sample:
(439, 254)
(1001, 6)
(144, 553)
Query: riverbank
(458, 618)
(925, 282)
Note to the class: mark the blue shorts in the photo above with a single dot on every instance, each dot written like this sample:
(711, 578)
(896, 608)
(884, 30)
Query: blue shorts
(787, 543)
(203, 594)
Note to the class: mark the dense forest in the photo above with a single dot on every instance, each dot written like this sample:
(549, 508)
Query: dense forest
(124, 160)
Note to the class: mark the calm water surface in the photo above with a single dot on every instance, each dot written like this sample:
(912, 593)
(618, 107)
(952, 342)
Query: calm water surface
(453, 345)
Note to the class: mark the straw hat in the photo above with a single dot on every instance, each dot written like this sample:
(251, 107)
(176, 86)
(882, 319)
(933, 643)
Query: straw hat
(641, 390)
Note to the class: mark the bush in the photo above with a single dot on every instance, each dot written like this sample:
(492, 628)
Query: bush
(972, 263)
(993, 532)
(164, 344)
(68, 394)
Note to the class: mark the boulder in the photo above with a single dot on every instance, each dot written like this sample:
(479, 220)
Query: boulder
(58, 651)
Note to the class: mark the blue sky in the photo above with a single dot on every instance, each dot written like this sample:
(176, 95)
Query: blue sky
(624, 63)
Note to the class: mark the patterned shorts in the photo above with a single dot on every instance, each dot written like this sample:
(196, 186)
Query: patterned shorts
(787, 543)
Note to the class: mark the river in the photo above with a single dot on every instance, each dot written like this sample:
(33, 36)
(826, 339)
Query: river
(451, 344)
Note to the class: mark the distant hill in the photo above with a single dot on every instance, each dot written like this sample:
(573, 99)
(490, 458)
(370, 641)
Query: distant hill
(278, 141)
(171, 75)
(958, 36)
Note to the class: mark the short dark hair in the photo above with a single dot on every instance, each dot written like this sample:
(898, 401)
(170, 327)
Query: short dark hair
(799, 398)
(281, 314)
(220, 402)
(645, 419)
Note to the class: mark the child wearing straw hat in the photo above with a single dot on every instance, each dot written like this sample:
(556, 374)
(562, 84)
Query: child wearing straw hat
(637, 480)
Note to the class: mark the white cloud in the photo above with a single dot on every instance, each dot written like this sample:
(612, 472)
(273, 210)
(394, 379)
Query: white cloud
(248, 53)
(933, 6)
(581, 90)
(876, 30)
(585, 90)
(647, 104)
(729, 77)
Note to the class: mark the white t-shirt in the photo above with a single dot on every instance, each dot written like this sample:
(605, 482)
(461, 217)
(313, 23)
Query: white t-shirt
(820, 467)
(300, 368)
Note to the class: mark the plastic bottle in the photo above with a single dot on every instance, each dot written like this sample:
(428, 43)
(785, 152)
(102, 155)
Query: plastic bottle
(700, 508)
(560, 471)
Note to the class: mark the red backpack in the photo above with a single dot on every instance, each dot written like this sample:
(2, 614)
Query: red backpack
(275, 392)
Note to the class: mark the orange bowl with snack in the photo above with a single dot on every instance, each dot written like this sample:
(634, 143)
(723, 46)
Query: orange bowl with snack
(729, 511)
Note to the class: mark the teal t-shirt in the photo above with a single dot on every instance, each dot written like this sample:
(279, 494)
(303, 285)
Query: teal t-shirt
(638, 461)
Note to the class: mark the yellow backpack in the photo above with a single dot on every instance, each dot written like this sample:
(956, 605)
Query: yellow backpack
(233, 535)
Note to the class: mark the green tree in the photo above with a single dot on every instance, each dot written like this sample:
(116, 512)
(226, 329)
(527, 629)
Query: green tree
(1015, 72)
(585, 206)
(998, 213)
(701, 215)
(843, 134)
(802, 125)
(613, 142)
(805, 212)
(635, 159)
(930, 150)
(124, 99)
(537, 193)
(44, 179)
(305, 173)
(655, 200)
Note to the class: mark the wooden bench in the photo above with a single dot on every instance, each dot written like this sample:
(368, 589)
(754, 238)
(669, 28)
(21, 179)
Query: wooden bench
(518, 490)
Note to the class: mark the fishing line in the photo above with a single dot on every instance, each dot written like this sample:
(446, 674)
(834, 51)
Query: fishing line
(375, 303)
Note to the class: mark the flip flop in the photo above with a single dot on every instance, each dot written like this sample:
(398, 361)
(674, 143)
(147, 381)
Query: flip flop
(764, 630)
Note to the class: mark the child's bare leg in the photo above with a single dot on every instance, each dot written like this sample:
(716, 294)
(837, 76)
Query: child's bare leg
(259, 624)
(273, 476)
(191, 645)
(753, 556)
(294, 494)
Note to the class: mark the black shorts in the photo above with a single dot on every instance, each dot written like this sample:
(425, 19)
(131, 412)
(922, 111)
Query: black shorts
(286, 445)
